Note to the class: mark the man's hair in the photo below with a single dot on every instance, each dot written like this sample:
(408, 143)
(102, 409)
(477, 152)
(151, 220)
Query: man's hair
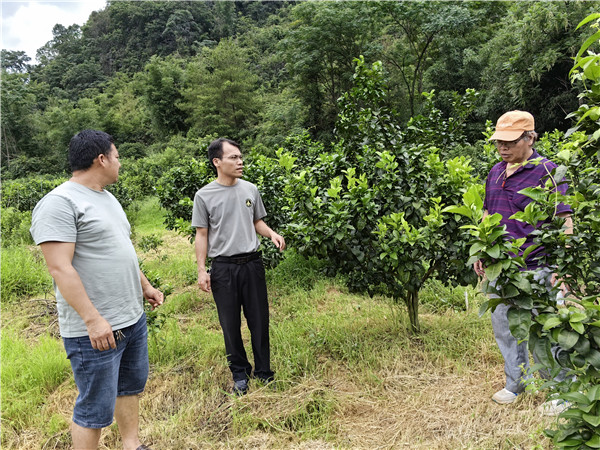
(533, 135)
(86, 146)
(215, 149)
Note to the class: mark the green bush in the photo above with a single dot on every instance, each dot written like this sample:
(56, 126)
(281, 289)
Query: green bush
(23, 274)
(24, 193)
(15, 227)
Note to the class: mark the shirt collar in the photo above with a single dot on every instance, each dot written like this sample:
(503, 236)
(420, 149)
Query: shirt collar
(533, 156)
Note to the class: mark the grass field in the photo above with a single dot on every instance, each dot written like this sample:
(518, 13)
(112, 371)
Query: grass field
(348, 375)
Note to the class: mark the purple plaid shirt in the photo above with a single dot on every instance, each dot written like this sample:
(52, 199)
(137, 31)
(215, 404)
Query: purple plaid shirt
(501, 196)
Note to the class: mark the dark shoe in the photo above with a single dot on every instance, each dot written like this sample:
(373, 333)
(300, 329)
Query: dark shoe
(143, 447)
(240, 387)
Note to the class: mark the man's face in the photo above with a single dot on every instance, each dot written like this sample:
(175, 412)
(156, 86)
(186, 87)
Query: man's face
(514, 152)
(112, 164)
(230, 165)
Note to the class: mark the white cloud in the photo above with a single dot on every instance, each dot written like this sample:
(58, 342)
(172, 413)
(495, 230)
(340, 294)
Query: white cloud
(27, 25)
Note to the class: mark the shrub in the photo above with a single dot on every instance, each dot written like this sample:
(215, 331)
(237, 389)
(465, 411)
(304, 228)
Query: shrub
(24, 193)
(15, 227)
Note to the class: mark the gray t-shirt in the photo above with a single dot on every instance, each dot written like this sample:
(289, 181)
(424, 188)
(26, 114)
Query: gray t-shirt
(229, 213)
(104, 256)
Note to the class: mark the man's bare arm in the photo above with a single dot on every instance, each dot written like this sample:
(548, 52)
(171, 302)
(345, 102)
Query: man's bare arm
(153, 295)
(59, 257)
(201, 246)
(263, 229)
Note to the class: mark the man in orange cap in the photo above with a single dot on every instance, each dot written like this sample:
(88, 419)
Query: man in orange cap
(515, 137)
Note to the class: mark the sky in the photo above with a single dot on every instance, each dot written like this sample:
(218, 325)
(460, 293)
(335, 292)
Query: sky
(27, 24)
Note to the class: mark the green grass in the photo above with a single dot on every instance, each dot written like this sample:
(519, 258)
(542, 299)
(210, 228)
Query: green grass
(147, 216)
(23, 274)
(348, 374)
(29, 373)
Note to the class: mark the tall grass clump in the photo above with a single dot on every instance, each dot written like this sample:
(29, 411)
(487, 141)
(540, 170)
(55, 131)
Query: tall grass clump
(438, 298)
(29, 373)
(23, 274)
(295, 272)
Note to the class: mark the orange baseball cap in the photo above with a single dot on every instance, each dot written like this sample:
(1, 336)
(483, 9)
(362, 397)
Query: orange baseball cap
(511, 125)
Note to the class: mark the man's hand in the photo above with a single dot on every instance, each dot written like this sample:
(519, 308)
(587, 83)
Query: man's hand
(278, 241)
(554, 279)
(154, 296)
(478, 267)
(100, 333)
(204, 280)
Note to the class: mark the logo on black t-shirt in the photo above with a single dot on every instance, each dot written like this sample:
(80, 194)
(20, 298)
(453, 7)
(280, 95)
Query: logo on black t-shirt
(248, 202)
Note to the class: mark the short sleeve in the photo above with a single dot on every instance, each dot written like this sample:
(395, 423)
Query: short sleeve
(54, 219)
(259, 208)
(200, 217)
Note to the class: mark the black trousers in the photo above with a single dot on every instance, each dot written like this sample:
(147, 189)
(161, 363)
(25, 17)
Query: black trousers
(238, 287)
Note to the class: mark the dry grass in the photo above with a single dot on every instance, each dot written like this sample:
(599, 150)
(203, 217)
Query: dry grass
(427, 392)
(411, 402)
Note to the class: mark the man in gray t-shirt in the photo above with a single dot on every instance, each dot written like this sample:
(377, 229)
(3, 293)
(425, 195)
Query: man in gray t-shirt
(227, 215)
(84, 236)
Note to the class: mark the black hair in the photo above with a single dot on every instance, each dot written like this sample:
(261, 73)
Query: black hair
(215, 149)
(86, 146)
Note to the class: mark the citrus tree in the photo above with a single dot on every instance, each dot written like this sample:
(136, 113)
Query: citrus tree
(371, 206)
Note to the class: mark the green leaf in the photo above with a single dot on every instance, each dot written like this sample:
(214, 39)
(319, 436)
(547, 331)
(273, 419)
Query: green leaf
(462, 210)
(543, 353)
(592, 420)
(594, 442)
(578, 327)
(483, 308)
(577, 317)
(575, 443)
(551, 323)
(475, 248)
(589, 41)
(529, 249)
(588, 19)
(571, 413)
(593, 357)
(494, 252)
(592, 71)
(510, 291)
(492, 272)
(524, 302)
(594, 393)
(575, 397)
(519, 322)
(523, 284)
(535, 193)
(567, 339)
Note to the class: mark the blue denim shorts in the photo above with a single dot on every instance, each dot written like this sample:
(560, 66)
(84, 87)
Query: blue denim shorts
(101, 376)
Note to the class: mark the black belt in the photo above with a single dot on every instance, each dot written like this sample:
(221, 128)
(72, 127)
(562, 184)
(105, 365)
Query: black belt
(242, 258)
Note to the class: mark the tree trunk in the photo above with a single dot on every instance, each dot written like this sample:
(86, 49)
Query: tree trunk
(412, 303)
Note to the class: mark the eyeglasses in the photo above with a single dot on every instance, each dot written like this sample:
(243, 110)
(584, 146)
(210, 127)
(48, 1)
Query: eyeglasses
(509, 144)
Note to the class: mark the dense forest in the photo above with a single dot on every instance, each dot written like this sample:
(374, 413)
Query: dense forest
(160, 74)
